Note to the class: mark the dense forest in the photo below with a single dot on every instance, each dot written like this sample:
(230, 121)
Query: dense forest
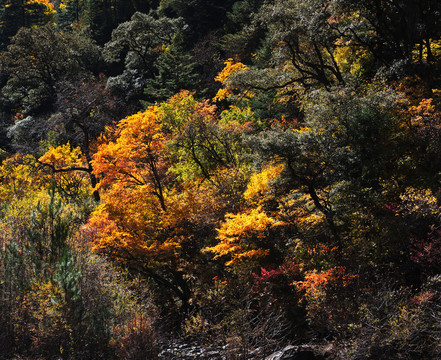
(236, 176)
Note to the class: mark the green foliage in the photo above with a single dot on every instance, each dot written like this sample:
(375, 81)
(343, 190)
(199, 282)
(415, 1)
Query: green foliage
(340, 157)
(200, 143)
(139, 43)
(305, 204)
(49, 231)
(201, 17)
(70, 13)
(396, 322)
(303, 40)
(56, 297)
(175, 72)
(15, 14)
(37, 59)
(397, 29)
(103, 16)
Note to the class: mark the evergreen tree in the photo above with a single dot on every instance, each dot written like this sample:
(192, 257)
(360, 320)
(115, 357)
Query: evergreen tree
(12, 18)
(70, 13)
(176, 71)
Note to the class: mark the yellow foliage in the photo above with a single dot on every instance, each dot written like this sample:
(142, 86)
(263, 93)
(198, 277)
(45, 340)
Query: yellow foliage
(237, 117)
(230, 68)
(419, 50)
(128, 222)
(222, 94)
(46, 6)
(62, 156)
(310, 220)
(146, 211)
(420, 201)
(239, 236)
(17, 177)
(352, 59)
(45, 303)
(258, 189)
(45, 3)
(132, 168)
(66, 167)
(192, 202)
(252, 223)
(301, 208)
(136, 152)
(425, 113)
(250, 254)
(183, 107)
(302, 129)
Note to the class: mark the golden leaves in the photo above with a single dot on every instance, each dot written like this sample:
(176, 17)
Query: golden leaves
(419, 202)
(230, 68)
(48, 7)
(241, 236)
(62, 156)
(147, 211)
(258, 189)
(135, 154)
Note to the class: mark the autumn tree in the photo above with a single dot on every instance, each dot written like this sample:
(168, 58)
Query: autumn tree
(134, 183)
(165, 180)
(137, 157)
(201, 142)
(321, 188)
(328, 196)
(57, 297)
(64, 168)
(326, 176)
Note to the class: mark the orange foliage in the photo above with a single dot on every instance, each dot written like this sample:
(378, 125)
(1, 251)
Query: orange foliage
(136, 157)
(425, 113)
(413, 89)
(132, 169)
(315, 283)
(167, 177)
(145, 212)
(128, 224)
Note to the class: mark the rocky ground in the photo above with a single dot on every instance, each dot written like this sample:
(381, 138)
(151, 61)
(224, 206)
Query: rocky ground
(190, 351)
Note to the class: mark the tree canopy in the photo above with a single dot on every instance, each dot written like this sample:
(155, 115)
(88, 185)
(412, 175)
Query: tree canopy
(238, 176)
